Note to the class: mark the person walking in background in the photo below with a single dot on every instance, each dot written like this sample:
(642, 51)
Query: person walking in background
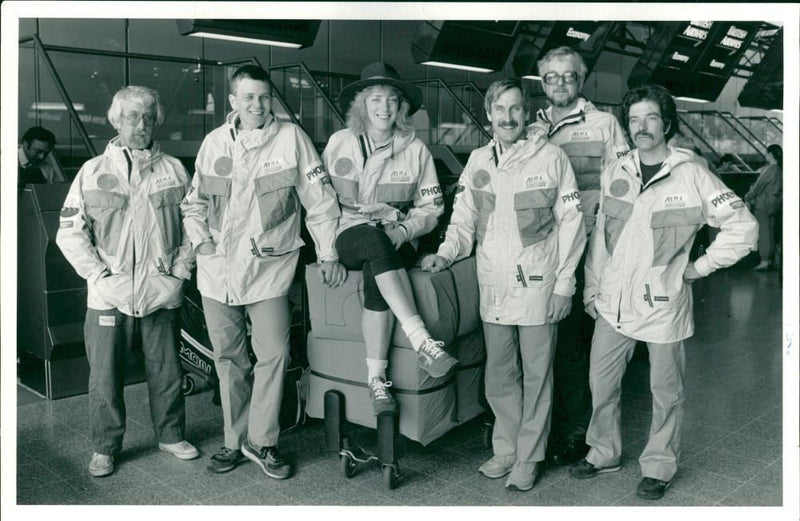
(765, 199)
(121, 230)
(591, 139)
(653, 201)
(243, 218)
(390, 195)
(35, 160)
(517, 197)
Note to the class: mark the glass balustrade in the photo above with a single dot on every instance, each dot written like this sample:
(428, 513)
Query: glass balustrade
(194, 96)
(765, 128)
(723, 137)
(310, 102)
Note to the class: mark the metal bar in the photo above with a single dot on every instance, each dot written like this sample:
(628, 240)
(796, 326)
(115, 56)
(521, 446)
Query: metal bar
(443, 87)
(700, 137)
(120, 54)
(64, 96)
(739, 123)
(320, 90)
(725, 120)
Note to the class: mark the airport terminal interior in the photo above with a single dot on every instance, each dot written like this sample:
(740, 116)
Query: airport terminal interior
(727, 80)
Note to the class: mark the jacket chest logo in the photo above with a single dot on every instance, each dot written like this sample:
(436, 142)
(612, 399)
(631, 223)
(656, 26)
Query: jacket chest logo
(675, 201)
(535, 181)
(480, 178)
(399, 176)
(273, 165)
(580, 135)
(165, 181)
(223, 166)
(343, 166)
(619, 187)
(107, 182)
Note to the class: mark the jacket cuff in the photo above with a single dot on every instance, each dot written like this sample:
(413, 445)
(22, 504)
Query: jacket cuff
(329, 256)
(179, 271)
(703, 266)
(564, 288)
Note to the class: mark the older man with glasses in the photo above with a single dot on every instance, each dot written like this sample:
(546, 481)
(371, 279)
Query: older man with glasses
(591, 139)
(121, 229)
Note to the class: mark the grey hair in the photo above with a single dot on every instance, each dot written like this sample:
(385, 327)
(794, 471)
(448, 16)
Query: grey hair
(563, 51)
(132, 94)
(357, 113)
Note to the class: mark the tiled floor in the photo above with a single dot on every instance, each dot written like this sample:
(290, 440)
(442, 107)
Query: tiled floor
(732, 450)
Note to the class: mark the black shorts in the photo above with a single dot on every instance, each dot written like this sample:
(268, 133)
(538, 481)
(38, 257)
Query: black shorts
(369, 249)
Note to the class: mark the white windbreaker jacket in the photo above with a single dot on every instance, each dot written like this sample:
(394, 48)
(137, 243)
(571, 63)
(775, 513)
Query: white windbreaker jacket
(636, 259)
(522, 205)
(592, 139)
(393, 183)
(244, 198)
(121, 230)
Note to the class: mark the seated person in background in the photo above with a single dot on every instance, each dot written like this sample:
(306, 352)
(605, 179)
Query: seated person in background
(35, 161)
(390, 195)
(764, 199)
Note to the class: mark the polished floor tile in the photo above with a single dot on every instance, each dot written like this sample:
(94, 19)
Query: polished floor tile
(732, 438)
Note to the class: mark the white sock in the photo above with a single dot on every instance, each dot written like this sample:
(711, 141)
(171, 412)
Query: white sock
(415, 330)
(376, 368)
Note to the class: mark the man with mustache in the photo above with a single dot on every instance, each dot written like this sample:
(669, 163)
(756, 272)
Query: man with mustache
(517, 197)
(121, 230)
(243, 217)
(592, 139)
(638, 274)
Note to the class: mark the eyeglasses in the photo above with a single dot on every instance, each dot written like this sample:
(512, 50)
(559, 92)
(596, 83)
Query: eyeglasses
(569, 77)
(134, 118)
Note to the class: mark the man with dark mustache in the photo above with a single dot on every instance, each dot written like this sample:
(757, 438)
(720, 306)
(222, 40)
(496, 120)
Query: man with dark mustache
(518, 198)
(592, 139)
(638, 275)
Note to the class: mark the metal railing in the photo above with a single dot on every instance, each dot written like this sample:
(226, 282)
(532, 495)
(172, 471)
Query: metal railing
(724, 136)
(194, 84)
(451, 122)
(310, 102)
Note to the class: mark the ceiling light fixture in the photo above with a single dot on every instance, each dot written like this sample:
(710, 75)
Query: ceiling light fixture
(691, 100)
(292, 34)
(456, 66)
(246, 39)
(51, 105)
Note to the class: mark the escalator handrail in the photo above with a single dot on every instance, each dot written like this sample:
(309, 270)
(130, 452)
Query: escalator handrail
(460, 103)
(317, 87)
(731, 125)
(700, 137)
(738, 122)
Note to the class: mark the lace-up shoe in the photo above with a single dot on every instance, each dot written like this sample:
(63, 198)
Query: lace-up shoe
(585, 470)
(225, 460)
(101, 465)
(269, 459)
(522, 476)
(497, 467)
(182, 449)
(382, 401)
(651, 488)
(433, 359)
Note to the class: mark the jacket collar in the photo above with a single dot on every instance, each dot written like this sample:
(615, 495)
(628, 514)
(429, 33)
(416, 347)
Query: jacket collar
(544, 117)
(524, 148)
(255, 137)
(676, 156)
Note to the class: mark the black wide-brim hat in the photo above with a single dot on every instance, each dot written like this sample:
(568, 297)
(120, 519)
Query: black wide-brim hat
(381, 74)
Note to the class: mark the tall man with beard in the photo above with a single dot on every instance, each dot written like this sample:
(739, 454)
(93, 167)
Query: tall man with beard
(517, 198)
(592, 139)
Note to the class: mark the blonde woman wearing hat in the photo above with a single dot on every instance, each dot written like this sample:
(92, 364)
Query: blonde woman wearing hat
(390, 195)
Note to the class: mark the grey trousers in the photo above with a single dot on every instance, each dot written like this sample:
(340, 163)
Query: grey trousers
(250, 393)
(109, 335)
(519, 388)
(611, 352)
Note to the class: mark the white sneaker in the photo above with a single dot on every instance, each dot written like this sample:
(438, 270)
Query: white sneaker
(433, 359)
(522, 476)
(497, 467)
(181, 450)
(101, 465)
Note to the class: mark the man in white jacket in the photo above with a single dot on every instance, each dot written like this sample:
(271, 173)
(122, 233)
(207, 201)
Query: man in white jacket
(243, 218)
(518, 198)
(592, 139)
(121, 230)
(638, 274)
